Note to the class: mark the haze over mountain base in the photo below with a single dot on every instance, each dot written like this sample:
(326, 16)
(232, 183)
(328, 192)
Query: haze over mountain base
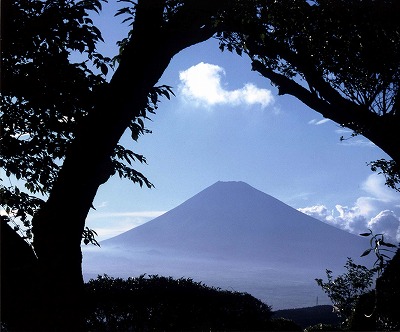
(233, 236)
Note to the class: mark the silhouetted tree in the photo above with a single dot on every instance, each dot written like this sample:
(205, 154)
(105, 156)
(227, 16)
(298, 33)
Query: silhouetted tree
(346, 289)
(388, 295)
(379, 310)
(71, 115)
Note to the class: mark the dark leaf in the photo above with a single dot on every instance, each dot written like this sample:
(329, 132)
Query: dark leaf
(104, 68)
(366, 252)
(386, 244)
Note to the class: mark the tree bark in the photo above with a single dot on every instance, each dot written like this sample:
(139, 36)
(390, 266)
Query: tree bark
(59, 224)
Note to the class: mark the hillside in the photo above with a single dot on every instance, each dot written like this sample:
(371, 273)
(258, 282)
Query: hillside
(310, 316)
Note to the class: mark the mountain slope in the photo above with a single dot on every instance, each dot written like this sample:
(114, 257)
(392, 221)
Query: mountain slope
(232, 220)
(231, 235)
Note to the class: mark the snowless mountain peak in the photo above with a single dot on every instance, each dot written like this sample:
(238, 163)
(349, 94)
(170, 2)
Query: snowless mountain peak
(233, 219)
(233, 234)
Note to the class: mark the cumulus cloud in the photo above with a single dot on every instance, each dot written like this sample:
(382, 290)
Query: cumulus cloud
(379, 211)
(320, 212)
(201, 86)
(386, 222)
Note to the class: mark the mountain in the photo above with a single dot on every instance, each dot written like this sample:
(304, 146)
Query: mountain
(233, 234)
(234, 221)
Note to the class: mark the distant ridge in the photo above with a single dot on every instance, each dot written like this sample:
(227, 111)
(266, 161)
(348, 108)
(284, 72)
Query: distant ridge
(231, 235)
(305, 317)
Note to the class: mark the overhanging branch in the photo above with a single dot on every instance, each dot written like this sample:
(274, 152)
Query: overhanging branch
(288, 86)
(336, 108)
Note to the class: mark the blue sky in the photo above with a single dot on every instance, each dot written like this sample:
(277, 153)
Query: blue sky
(227, 123)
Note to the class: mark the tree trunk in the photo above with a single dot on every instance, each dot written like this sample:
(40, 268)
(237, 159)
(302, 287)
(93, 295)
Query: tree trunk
(59, 224)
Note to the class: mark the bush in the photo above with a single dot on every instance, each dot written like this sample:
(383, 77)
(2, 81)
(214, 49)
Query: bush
(322, 327)
(163, 303)
(283, 324)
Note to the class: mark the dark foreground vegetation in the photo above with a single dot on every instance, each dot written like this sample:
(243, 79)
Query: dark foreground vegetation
(161, 303)
(62, 119)
(311, 316)
(155, 303)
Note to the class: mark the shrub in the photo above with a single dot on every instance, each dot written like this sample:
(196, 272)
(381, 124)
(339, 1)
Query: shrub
(163, 303)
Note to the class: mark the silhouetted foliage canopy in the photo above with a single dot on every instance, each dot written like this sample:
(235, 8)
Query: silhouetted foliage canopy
(52, 77)
(62, 119)
(163, 303)
(345, 290)
(339, 57)
(366, 299)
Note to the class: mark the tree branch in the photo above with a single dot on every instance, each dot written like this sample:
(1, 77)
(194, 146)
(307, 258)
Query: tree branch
(288, 86)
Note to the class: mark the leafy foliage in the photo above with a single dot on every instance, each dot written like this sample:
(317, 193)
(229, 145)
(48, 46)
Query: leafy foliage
(88, 236)
(44, 93)
(341, 58)
(360, 306)
(387, 294)
(390, 170)
(52, 76)
(379, 247)
(163, 303)
(345, 290)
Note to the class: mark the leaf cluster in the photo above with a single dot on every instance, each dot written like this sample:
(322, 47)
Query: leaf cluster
(379, 247)
(390, 170)
(341, 58)
(52, 77)
(345, 290)
(354, 46)
(44, 92)
(19, 206)
(89, 236)
(123, 158)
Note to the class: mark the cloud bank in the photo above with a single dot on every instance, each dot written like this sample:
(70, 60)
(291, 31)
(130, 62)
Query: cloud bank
(201, 86)
(379, 211)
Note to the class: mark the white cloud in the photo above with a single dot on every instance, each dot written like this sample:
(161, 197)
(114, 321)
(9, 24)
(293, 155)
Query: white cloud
(375, 186)
(386, 222)
(357, 142)
(379, 211)
(101, 205)
(320, 212)
(201, 86)
(135, 214)
(343, 131)
(318, 122)
(348, 140)
(109, 224)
